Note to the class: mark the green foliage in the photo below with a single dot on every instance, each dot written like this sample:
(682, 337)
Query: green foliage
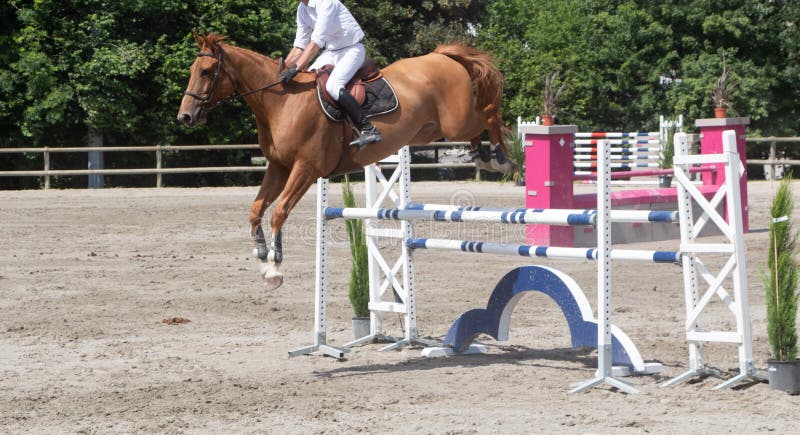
(667, 152)
(516, 153)
(399, 29)
(781, 283)
(359, 272)
(614, 53)
(120, 68)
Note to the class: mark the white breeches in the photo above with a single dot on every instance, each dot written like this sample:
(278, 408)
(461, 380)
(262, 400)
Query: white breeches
(345, 64)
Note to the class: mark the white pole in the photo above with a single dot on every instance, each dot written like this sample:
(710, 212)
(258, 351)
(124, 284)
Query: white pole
(604, 337)
(321, 282)
(742, 313)
(373, 267)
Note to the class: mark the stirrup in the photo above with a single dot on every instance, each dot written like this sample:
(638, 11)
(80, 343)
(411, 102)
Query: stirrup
(368, 135)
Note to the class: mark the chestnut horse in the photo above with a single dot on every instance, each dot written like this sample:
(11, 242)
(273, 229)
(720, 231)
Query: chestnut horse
(452, 93)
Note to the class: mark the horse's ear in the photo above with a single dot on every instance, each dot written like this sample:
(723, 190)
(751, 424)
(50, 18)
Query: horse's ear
(214, 46)
(201, 40)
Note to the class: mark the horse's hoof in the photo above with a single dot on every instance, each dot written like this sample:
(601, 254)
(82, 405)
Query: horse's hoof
(494, 166)
(272, 276)
(273, 282)
(506, 168)
(485, 166)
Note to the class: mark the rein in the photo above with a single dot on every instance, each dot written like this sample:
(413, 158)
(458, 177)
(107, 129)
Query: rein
(206, 101)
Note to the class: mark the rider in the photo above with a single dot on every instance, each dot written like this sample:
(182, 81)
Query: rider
(328, 24)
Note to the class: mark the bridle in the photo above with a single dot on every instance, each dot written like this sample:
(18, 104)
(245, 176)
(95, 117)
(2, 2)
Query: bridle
(205, 101)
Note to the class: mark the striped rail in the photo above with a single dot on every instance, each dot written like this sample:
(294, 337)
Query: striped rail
(628, 151)
(444, 213)
(542, 251)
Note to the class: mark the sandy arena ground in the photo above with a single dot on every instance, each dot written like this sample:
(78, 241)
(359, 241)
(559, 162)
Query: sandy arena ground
(86, 278)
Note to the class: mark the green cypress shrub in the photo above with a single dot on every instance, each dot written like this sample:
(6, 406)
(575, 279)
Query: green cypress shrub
(781, 283)
(359, 272)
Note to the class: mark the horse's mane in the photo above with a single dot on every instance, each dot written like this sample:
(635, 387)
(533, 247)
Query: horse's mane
(212, 39)
(215, 39)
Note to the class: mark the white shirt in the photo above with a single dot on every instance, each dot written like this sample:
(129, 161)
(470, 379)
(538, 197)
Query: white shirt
(328, 23)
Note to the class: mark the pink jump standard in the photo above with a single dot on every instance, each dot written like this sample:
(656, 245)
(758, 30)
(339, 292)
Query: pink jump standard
(549, 167)
(711, 143)
(550, 178)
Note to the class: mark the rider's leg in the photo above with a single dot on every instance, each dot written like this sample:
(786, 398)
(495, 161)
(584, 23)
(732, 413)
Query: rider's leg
(348, 61)
(369, 133)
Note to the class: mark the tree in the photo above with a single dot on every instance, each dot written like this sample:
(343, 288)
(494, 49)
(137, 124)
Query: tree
(120, 68)
(614, 52)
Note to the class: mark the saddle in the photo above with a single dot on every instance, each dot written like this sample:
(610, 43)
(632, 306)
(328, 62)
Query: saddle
(367, 73)
(368, 86)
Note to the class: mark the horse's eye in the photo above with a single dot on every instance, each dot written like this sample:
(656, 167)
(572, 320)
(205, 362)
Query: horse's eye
(205, 72)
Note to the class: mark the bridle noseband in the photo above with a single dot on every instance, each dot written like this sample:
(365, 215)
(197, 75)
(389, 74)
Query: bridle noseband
(205, 101)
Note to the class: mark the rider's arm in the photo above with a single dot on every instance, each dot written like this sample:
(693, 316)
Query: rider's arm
(308, 53)
(293, 55)
(302, 36)
(318, 35)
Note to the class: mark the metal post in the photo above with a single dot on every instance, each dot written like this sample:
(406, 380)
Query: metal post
(772, 175)
(158, 166)
(95, 140)
(47, 168)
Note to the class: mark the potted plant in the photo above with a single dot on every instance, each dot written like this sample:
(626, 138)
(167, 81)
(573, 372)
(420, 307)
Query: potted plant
(359, 272)
(551, 97)
(665, 157)
(723, 91)
(781, 294)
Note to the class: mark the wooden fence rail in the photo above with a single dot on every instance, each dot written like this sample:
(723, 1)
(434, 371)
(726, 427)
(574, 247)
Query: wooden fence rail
(159, 169)
(770, 164)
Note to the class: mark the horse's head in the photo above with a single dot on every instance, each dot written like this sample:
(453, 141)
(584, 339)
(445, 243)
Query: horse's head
(209, 83)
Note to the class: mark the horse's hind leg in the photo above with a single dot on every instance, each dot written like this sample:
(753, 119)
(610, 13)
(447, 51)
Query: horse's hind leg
(300, 179)
(480, 155)
(493, 159)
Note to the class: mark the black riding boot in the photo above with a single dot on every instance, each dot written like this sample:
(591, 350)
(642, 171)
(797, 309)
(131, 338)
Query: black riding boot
(369, 133)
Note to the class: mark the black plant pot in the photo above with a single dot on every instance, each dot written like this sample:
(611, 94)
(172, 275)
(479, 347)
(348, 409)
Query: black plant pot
(784, 375)
(665, 181)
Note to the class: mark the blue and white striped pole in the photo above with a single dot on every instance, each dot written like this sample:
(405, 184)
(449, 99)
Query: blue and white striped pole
(557, 252)
(445, 213)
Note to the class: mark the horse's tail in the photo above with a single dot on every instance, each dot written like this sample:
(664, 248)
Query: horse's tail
(488, 80)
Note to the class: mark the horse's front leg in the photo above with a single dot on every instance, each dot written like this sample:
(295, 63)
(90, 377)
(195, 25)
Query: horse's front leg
(300, 179)
(271, 186)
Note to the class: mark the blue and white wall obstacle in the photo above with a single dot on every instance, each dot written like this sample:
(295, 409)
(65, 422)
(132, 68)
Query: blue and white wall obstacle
(495, 319)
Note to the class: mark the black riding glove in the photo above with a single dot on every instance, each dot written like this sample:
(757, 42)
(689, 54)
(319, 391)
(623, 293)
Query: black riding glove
(288, 74)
